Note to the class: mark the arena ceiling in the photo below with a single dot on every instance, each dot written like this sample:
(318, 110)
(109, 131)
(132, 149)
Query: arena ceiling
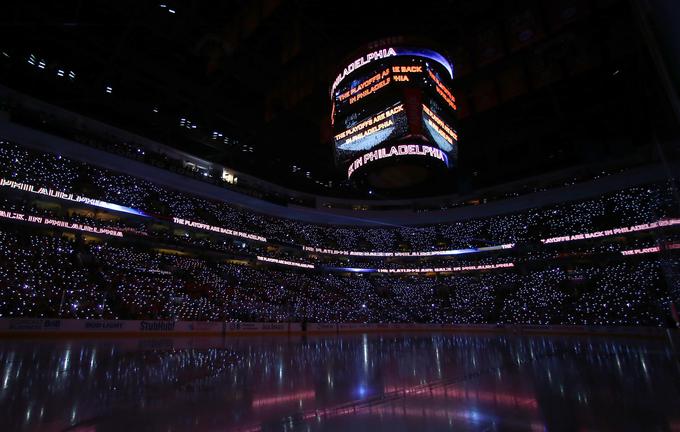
(541, 86)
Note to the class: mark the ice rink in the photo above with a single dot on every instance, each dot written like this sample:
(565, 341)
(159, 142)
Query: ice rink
(374, 382)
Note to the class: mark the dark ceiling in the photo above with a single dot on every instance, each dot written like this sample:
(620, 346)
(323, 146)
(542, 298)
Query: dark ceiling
(541, 85)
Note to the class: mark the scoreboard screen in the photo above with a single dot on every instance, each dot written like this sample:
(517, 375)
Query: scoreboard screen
(361, 135)
(439, 130)
(395, 103)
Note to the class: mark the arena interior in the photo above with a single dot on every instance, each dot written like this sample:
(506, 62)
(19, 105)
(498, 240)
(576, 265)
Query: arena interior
(305, 216)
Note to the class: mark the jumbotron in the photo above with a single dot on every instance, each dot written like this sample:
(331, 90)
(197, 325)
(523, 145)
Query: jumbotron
(393, 112)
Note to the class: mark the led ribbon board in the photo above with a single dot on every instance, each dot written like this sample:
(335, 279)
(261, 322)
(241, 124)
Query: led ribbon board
(614, 231)
(69, 197)
(448, 269)
(285, 262)
(481, 267)
(652, 249)
(4, 214)
(391, 52)
(407, 254)
(398, 150)
(217, 229)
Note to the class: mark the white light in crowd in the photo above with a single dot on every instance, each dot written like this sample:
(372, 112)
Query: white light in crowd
(185, 122)
(42, 64)
(172, 11)
(60, 73)
(155, 109)
(72, 75)
(229, 177)
(163, 5)
(109, 89)
(31, 59)
(5, 54)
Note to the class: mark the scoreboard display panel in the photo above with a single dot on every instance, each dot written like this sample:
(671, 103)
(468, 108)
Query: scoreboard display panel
(363, 134)
(438, 128)
(394, 102)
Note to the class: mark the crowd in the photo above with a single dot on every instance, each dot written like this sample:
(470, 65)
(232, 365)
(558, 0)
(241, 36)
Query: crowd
(46, 276)
(194, 278)
(631, 206)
